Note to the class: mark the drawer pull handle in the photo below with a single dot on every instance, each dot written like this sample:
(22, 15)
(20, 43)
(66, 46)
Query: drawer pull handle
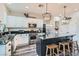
(9, 44)
(9, 50)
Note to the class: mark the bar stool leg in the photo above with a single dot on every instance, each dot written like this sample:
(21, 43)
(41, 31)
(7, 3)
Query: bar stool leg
(68, 49)
(59, 46)
(53, 51)
(77, 46)
(57, 51)
(64, 50)
(73, 49)
(46, 51)
(50, 52)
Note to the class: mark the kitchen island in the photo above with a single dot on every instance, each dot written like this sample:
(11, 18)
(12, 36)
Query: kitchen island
(43, 41)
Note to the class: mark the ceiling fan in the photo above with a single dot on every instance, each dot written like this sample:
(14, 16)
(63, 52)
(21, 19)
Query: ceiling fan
(28, 16)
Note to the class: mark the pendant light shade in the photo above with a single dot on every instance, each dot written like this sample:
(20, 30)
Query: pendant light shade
(46, 15)
(65, 19)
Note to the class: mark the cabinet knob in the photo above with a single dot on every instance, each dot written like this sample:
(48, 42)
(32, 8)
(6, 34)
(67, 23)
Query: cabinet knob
(9, 44)
(9, 50)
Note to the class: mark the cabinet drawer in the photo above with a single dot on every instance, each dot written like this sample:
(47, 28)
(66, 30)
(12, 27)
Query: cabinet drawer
(8, 45)
(8, 48)
(8, 52)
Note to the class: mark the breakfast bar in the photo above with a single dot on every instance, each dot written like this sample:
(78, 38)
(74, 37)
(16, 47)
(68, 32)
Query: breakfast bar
(42, 42)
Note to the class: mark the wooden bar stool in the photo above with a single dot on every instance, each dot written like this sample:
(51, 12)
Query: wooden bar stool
(74, 47)
(52, 47)
(64, 50)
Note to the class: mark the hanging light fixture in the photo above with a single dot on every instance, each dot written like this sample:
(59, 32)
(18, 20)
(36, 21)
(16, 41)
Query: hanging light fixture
(66, 19)
(46, 15)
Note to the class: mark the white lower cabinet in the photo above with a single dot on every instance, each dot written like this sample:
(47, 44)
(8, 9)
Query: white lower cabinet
(5, 50)
(8, 49)
(2, 50)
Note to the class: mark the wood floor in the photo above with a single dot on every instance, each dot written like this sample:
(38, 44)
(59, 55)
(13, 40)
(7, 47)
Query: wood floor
(29, 50)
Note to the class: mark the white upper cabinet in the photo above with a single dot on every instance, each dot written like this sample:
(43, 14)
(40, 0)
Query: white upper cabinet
(14, 21)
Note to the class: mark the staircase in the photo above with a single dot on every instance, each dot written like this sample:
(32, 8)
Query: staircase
(24, 50)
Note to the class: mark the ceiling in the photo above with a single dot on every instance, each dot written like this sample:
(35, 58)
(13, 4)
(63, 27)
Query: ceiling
(56, 9)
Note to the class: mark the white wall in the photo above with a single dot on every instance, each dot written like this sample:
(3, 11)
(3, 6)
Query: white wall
(70, 28)
(63, 29)
(75, 25)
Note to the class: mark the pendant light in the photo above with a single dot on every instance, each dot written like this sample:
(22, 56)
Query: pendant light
(46, 15)
(66, 19)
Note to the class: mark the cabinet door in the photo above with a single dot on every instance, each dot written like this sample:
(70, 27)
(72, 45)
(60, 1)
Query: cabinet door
(8, 49)
(2, 50)
(15, 21)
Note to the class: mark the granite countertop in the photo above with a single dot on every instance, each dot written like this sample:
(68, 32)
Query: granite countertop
(19, 32)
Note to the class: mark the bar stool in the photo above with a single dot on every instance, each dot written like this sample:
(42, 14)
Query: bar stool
(64, 44)
(74, 46)
(52, 47)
